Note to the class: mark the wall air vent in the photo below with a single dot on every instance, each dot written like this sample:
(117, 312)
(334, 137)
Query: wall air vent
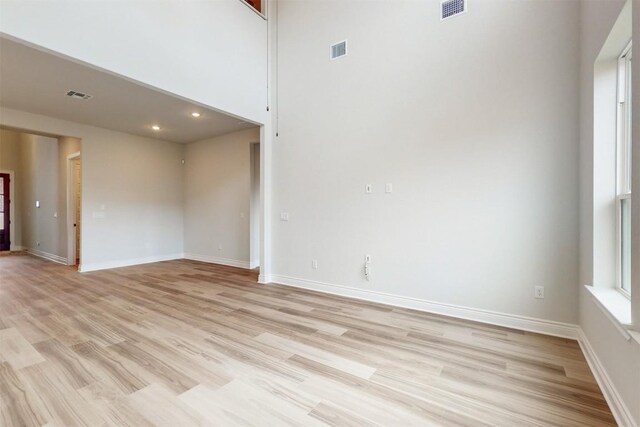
(79, 95)
(339, 50)
(451, 8)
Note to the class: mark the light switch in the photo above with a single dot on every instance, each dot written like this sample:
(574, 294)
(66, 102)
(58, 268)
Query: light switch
(284, 216)
(368, 188)
(37, 203)
(388, 188)
(55, 214)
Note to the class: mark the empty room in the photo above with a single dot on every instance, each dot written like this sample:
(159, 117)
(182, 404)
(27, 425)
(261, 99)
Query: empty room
(329, 212)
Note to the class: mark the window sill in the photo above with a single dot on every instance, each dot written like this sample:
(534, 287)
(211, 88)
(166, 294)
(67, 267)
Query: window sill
(617, 308)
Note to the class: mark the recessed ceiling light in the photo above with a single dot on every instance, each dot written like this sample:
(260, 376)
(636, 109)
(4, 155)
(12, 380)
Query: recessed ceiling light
(195, 114)
(155, 127)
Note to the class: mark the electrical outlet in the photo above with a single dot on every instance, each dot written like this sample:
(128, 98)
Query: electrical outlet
(38, 243)
(284, 216)
(219, 247)
(539, 292)
(368, 188)
(314, 264)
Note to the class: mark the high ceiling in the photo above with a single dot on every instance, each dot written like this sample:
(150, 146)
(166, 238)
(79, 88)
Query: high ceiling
(37, 82)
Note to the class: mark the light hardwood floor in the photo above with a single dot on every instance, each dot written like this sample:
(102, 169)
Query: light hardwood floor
(183, 343)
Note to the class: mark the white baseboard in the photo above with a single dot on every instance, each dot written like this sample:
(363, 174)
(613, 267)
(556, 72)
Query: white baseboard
(83, 267)
(547, 327)
(217, 260)
(264, 279)
(565, 330)
(611, 395)
(47, 256)
(147, 260)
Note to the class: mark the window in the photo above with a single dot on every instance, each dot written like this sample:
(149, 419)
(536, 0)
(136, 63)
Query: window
(256, 4)
(623, 170)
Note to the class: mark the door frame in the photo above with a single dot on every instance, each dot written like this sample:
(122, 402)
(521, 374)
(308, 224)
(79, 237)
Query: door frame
(71, 208)
(12, 209)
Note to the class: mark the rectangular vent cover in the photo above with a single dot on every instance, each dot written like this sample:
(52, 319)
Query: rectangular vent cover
(450, 8)
(338, 50)
(78, 95)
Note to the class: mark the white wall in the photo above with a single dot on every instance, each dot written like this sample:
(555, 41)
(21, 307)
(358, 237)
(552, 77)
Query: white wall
(132, 192)
(254, 207)
(217, 198)
(212, 52)
(9, 141)
(41, 229)
(9, 161)
(619, 358)
(473, 121)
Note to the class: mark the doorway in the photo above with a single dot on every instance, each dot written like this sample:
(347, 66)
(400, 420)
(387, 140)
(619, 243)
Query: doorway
(254, 206)
(74, 210)
(5, 211)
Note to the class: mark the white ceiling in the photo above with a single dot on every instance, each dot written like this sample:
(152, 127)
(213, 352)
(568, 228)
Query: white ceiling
(37, 82)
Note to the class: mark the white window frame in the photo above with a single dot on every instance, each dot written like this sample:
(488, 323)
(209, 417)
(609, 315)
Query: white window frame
(623, 153)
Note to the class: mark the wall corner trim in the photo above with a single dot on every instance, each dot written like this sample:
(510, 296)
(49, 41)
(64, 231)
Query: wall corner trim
(264, 279)
(620, 412)
(530, 324)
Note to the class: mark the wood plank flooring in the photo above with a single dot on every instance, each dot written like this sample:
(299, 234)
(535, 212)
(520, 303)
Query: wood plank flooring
(183, 343)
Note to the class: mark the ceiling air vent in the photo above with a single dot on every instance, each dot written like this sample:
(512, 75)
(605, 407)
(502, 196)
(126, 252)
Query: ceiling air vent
(78, 95)
(338, 50)
(451, 8)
